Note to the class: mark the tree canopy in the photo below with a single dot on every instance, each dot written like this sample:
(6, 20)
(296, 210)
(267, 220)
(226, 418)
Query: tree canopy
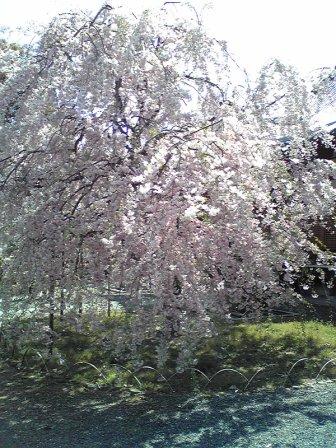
(135, 155)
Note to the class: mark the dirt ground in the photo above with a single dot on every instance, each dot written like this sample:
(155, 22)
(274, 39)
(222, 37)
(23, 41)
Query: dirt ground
(38, 415)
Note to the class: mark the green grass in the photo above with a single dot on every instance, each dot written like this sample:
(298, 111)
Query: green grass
(249, 347)
(269, 348)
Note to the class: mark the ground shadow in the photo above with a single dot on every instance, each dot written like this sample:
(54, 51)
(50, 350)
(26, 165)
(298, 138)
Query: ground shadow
(35, 414)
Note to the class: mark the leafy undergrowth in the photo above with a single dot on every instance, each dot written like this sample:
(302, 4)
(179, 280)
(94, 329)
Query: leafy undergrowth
(264, 352)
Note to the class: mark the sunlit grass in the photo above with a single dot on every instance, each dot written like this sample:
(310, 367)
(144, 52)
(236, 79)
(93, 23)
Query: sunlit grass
(267, 350)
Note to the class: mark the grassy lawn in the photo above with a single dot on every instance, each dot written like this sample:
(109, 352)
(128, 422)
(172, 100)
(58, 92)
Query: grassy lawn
(73, 406)
(239, 351)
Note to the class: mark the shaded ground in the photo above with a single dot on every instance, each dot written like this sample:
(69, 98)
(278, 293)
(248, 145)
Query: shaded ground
(34, 415)
(273, 347)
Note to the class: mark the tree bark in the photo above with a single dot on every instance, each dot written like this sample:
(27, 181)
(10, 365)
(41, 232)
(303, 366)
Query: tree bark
(51, 318)
(108, 299)
(62, 304)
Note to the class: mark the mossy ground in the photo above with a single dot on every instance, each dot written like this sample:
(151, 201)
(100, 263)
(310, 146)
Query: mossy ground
(267, 349)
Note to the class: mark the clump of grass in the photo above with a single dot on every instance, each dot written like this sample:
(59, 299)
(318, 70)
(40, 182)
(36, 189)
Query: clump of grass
(249, 347)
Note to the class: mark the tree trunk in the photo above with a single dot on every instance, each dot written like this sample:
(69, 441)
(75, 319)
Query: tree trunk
(51, 321)
(108, 299)
(62, 304)
(51, 318)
